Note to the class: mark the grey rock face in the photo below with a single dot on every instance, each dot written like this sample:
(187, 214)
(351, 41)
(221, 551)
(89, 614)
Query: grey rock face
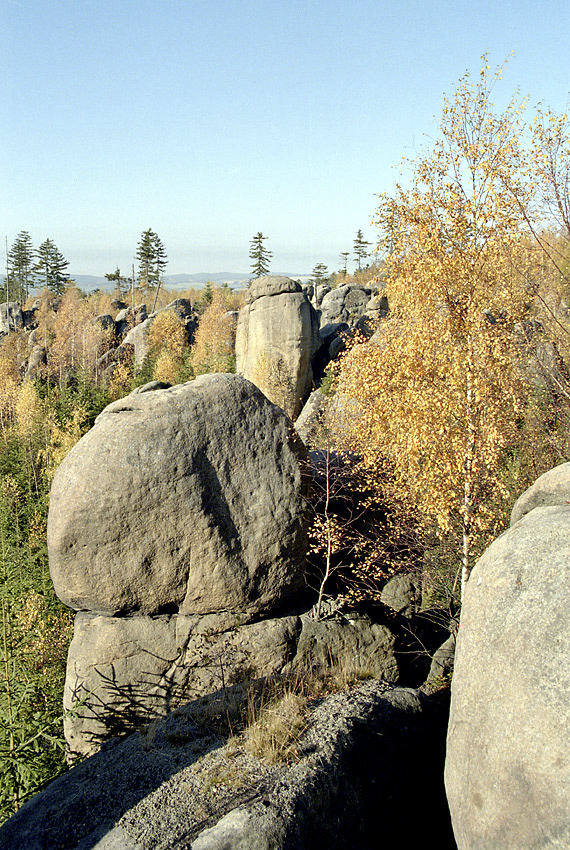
(137, 338)
(106, 321)
(11, 316)
(369, 758)
(402, 595)
(277, 335)
(190, 498)
(552, 488)
(127, 671)
(508, 754)
(37, 359)
(311, 421)
(354, 644)
(346, 303)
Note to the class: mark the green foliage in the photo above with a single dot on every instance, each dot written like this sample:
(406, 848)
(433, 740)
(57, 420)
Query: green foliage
(260, 255)
(360, 249)
(51, 267)
(21, 276)
(35, 629)
(152, 259)
(34, 633)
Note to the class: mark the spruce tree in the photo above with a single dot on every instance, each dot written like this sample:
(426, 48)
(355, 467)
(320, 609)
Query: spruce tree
(50, 267)
(319, 273)
(152, 259)
(260, 255)
(21, 276)
(360, 249)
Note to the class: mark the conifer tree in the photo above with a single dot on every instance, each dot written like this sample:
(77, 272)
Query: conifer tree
(344, 260)
(360, 249)
(152, 259)
(51, 267)
(319, 273)
(121, 282)
(21, 277)
(260, 255)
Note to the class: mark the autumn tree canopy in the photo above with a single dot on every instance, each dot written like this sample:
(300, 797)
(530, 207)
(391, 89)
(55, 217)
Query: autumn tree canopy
(439, 387)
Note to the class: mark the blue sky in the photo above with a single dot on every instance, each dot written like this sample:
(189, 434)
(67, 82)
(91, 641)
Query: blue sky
(211, 120)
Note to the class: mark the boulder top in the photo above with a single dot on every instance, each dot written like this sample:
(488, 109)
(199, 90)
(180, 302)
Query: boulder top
(271, 285)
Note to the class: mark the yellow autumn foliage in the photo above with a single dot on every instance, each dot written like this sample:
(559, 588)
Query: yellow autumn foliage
(439, 387)
(214, 341)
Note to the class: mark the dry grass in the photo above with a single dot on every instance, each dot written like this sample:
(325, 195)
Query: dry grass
(275, 729)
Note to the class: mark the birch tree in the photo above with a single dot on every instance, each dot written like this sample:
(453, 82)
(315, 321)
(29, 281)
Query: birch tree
(439, 387)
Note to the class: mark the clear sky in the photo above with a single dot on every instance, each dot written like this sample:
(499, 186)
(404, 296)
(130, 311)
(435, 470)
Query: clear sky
(211, 120)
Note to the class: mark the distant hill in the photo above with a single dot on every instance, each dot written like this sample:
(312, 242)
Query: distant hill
(236, 280)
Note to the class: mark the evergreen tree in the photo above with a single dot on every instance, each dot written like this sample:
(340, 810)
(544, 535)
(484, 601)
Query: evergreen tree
(121, 282)
(360, 249)
(152, 259)
(50, 267)
(260, 255)
(344, 260)
(319, 273)
(21, 276)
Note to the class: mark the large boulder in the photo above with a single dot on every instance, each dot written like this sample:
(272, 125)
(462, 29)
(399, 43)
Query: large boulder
(277, 335)
(189, 499)
(552, 488)
(346, 303)
(125, 671)
(508, 754)
(368, 775)
(11, 317)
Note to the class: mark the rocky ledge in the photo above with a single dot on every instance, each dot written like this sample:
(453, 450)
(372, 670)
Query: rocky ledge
(368, 774)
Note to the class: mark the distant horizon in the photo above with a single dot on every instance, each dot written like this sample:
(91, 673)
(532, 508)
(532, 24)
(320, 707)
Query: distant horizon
(212, 121)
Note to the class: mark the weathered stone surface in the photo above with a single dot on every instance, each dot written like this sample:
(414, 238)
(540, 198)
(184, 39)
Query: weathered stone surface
(552, 488)
(370, 758)
(310, 423)
(37, 359)
(352, 643)
(277, 335)
(271, 285)
(346, 303)
(128, 670)
(189, 498)
(106, 321)
(402, 594)
(125, 671)
(508, 754)
(11, 316)
(441, 665)
(137, 337)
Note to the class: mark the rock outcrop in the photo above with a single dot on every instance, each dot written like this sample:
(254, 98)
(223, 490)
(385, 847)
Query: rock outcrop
(508, 758)
(277, 335)
(11, 317)
(177, 518)
(346, 303)
(187, 499)
(368, 774)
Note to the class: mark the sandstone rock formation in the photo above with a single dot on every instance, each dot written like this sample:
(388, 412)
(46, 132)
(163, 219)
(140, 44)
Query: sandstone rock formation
(508, 759)
(552, 488)
(277, 335)
(11, 317)
(180, 516)
(368, 775)
(190, 498)
(125, 671)
(346, 303)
